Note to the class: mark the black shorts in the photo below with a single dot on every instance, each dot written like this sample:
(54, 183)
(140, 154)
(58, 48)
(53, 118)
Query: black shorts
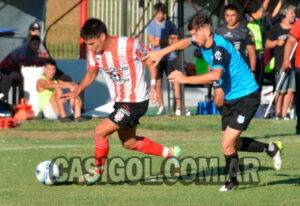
(238, 113)
(167, 67)
(127, 115)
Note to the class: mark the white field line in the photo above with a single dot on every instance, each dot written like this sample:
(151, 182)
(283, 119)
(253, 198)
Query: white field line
(44, 147)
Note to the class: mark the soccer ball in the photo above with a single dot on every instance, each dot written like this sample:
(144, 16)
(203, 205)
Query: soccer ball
(47, 172)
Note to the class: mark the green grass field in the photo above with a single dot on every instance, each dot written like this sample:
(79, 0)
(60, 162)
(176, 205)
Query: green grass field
(23, 148)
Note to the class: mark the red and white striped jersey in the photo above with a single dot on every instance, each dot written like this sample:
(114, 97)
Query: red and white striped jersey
(123, 69)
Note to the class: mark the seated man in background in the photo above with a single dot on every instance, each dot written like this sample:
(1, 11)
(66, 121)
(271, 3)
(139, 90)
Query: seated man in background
(49, 91)
(10, 66)
(43, 54)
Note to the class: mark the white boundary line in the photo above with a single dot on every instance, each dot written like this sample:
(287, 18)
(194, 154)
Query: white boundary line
(44, 147)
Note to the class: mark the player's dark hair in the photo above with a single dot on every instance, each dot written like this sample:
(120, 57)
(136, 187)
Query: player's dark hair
(92, 28)
(160, 7)
(35, 38)
(50, 61)
(198, 21)
(231, 7)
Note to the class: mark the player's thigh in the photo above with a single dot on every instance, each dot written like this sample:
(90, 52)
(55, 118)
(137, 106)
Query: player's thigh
(127, 136)
(105, 128)
(230, 136)
(238, 113)
(244, 111)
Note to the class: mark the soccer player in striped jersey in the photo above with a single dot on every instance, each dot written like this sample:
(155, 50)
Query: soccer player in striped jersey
(120, 60)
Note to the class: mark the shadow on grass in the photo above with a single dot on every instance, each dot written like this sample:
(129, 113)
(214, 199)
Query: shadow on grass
(292, 180)
(199, 176)
(273, 135)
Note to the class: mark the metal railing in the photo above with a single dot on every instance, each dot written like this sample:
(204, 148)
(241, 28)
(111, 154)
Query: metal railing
(122, 17)
(127, 22)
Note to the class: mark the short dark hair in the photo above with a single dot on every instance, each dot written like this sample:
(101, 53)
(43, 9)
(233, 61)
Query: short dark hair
(35, 38)
(231, 7)
(92, 28)
(199, 20)
(50, 61)
(160, 7)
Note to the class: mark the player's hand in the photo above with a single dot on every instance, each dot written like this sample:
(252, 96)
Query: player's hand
(74, 87)
(286, 65)
(177, 76)
(153, 57)
(70, 95)
(280, 42)
(153, 96)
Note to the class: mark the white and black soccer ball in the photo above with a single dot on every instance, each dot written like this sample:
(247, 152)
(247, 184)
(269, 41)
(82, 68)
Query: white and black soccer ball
(47, 172)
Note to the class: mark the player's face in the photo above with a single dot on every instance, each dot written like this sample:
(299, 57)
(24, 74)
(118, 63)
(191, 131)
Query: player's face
(159, 16)
(231, 17)
(49, 71)
(200, 36)
(34, 32)
(96, 44)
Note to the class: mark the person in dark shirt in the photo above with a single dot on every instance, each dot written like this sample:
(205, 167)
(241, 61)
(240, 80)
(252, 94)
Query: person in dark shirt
(276, 39)
(239, 35)
(10, 66)
(43, 53)
(241, 38)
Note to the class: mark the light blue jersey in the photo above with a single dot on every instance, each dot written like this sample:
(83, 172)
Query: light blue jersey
(237, 80)
(160, 31)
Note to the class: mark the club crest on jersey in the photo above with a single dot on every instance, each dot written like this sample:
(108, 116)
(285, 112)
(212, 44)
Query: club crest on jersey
(241, 119)
(121, 113)
(218, 55)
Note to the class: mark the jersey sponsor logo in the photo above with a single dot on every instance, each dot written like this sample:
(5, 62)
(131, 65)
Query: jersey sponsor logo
(228, 35)
(241, 119)
(218, 55)
(283, 37)
(116, 74)
(121, 113)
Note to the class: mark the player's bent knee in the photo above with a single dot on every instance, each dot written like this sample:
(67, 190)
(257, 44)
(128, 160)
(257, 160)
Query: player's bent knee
(99, 134)
(227, 146)
(58, 91)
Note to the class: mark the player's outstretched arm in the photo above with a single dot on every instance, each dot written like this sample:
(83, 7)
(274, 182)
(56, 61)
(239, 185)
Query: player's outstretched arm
(88, 79)
(156, 56)
(208, 78)
(260, 12)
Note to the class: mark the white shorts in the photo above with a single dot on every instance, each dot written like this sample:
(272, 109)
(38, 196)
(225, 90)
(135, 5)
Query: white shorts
(49, 112)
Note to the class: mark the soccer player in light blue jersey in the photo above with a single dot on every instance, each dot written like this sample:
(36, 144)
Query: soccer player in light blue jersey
(242, 96)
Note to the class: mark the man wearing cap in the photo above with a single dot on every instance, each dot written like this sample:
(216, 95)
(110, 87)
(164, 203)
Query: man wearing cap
(43, 54)
(35, 29)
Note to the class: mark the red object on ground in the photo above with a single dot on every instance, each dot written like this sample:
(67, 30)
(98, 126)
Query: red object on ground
(23, 111)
